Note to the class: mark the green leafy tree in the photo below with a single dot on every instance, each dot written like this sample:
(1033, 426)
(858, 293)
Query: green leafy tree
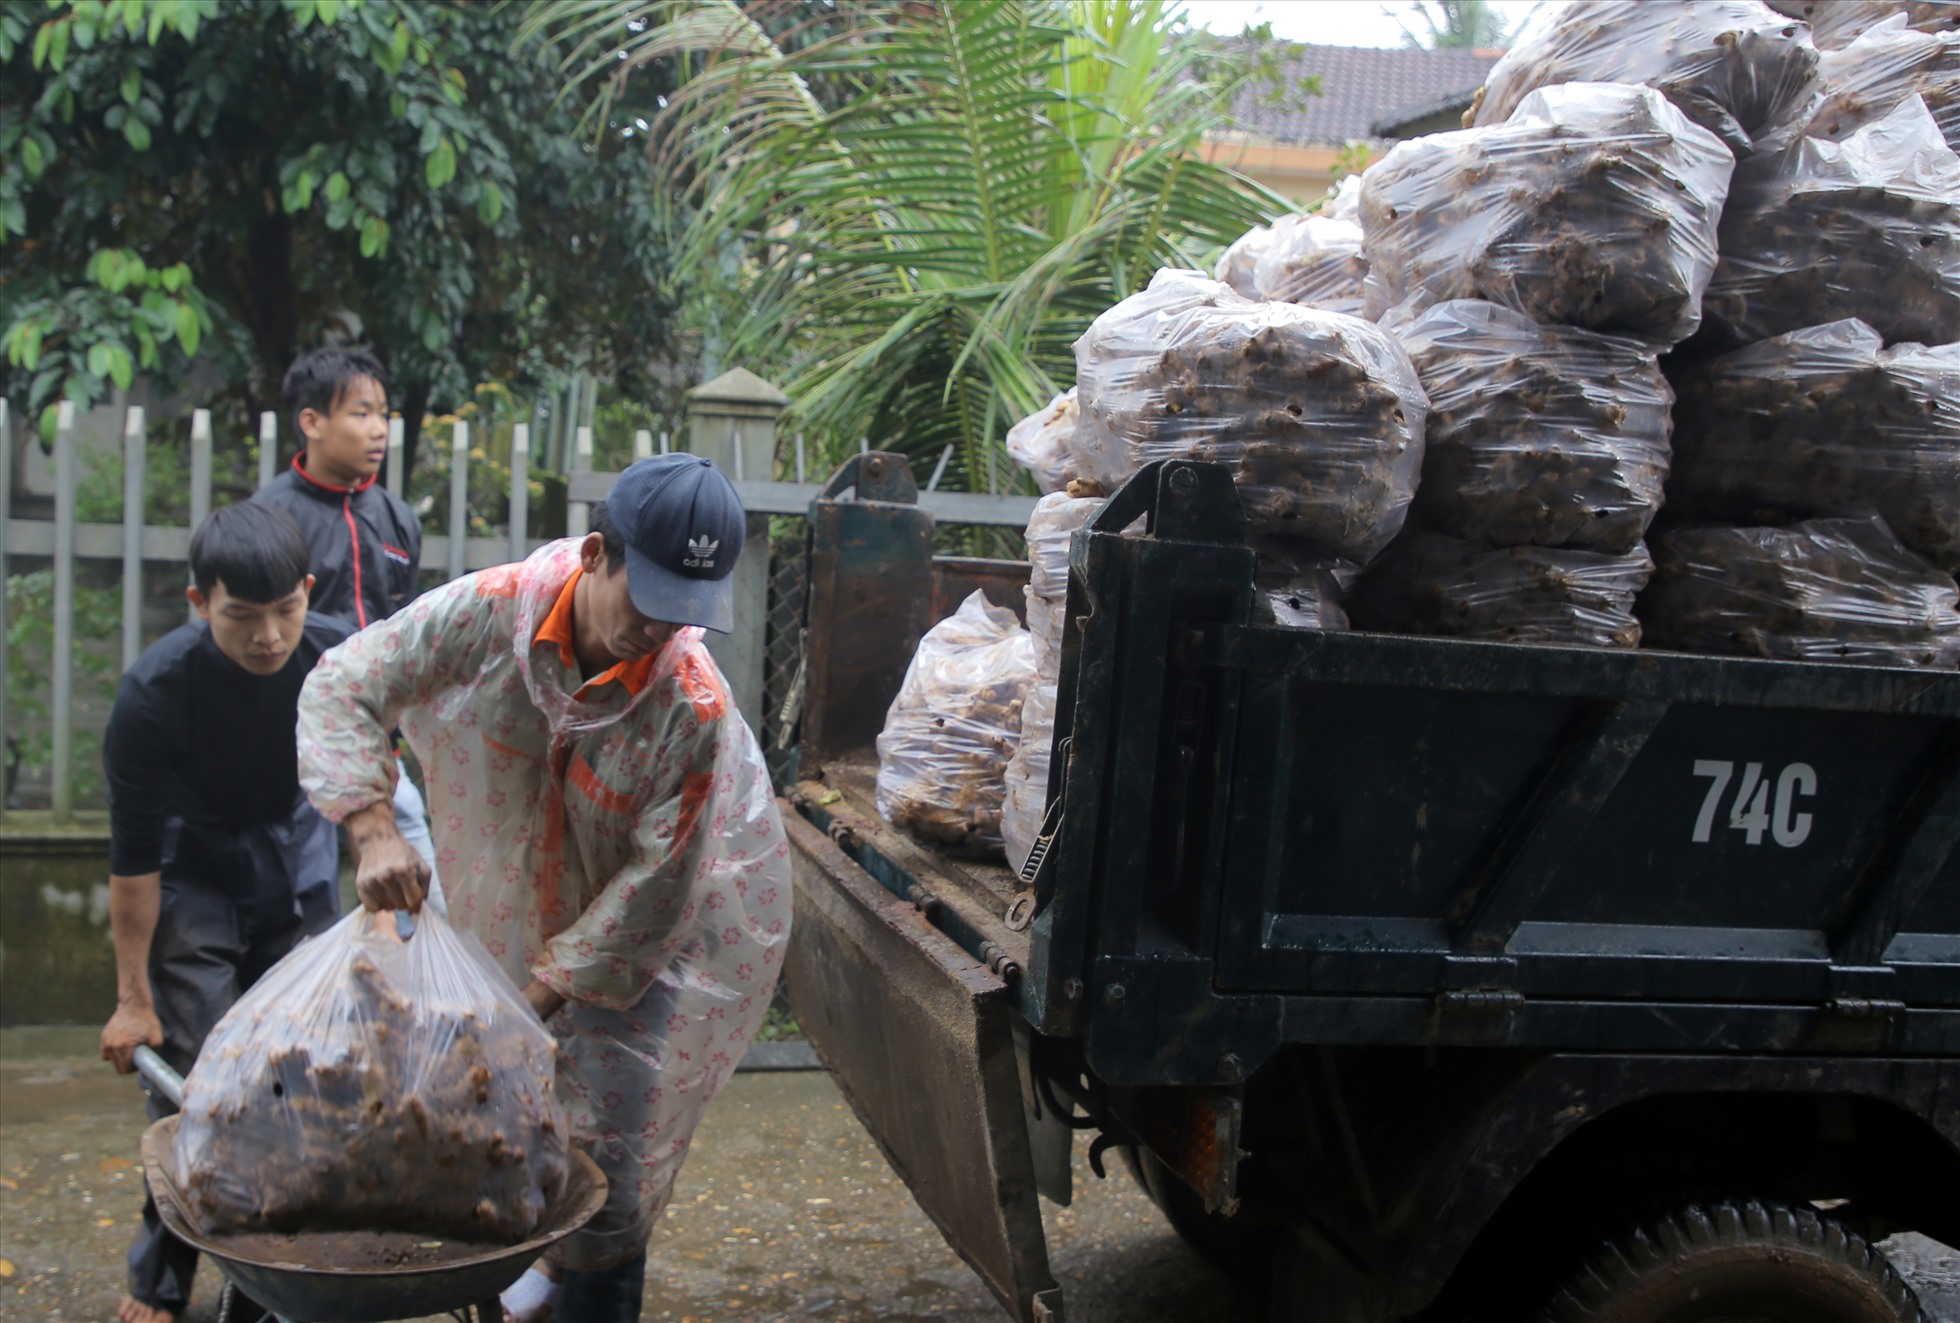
(225, 181)
(1454, 25)
(925, 202)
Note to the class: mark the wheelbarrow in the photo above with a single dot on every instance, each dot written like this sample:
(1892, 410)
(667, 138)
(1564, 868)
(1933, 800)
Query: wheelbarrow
(317, 1280)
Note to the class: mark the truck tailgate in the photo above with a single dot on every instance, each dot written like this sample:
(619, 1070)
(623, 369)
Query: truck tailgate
(916, 1031)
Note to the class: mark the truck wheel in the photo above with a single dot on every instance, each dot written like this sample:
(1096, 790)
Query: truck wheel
(1737, 1261)
(1239, 1244)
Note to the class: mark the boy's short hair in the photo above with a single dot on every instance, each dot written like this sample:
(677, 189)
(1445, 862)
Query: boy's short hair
(602, 524)
(319, 378)
(256, 550)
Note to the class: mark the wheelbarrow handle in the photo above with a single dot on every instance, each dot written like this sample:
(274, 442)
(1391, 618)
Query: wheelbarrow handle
(158, 1072)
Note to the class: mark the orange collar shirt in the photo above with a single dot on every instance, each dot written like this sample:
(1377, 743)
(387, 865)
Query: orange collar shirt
(615, 838)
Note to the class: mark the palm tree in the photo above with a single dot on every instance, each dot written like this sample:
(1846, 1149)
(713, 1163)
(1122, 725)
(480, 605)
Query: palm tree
(1455, 25)
(930, 198)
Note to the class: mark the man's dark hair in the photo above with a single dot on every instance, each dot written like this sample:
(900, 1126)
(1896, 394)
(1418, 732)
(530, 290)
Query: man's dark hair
(319, 378)
(256, 550)
(602, 524)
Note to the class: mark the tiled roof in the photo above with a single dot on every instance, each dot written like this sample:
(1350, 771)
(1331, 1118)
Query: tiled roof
(1360, 87)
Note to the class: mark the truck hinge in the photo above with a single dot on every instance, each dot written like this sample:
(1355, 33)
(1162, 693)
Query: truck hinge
(1481, 999)
(1862, 990)
(1477, 998)
(1865, 1008)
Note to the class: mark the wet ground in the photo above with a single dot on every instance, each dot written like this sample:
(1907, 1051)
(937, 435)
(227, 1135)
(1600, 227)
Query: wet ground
(786, 1211)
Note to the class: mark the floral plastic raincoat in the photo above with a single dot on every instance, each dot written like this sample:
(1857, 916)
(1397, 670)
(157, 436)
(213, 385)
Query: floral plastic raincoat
(617, 840)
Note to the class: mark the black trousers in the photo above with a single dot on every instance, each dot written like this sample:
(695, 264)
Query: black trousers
(235, 900)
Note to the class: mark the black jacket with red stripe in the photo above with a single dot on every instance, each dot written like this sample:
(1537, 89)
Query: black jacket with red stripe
(366, 543)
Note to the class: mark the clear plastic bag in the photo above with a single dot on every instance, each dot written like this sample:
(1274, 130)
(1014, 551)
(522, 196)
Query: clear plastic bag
(1237, 264)
(1837, 23)
(1315, 261)
(1302, 599)
(1824, 422)
(1043, 442)
(1537, 434)
(1735, 67)
(373, 1083)
(1825, 590)
(1319, 415)
(1869, 78)
(1431, 584)
(1344, 203)
(1867, 228)
(1050, 531)
(1311, 260)
(1026, 799)
(1595, 205)
(1296, 589)
(942, 757)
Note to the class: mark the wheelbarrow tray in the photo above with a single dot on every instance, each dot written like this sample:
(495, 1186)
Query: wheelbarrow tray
(315, 1292)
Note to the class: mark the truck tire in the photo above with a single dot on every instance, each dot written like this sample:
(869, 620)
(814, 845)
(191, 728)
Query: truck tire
(1238, 1245)
(1737, 1261)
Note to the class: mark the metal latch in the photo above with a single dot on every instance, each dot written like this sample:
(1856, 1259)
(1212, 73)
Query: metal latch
(1035, 871)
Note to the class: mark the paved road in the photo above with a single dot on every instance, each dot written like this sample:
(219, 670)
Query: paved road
(786, 1211)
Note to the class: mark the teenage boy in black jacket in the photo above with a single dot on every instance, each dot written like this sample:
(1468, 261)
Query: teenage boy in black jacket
(366, 542)
(217, 864)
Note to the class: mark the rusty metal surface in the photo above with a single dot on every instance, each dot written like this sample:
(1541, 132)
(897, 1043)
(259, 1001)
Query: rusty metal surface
(955, 577)
(370, 1295)
(978, 891)
(870, 601)
(1196, 1133)
(917, 1034)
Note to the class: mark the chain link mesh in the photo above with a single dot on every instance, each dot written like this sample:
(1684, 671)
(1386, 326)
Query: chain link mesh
(783, 639)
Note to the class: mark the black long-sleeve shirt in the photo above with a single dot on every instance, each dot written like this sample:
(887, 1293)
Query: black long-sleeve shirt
(197, 737)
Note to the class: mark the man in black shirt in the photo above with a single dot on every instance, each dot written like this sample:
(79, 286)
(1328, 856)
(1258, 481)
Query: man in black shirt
(218, 865)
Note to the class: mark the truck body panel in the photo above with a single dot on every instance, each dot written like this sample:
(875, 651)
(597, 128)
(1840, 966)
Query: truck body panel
(1313, 866)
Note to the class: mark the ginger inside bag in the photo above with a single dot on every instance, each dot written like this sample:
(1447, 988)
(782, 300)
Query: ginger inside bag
(371, 1082)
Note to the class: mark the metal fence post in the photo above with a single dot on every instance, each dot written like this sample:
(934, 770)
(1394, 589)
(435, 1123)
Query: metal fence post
(578, 514)
(642, 444)
(459, 499)
(62, 681)
(268, 448)
(135, 484)
(520, 491)
(6, 513)
(200, 466)
(200, 473)
(561, 446)
(395, 447)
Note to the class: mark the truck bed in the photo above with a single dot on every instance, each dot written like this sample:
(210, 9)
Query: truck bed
(966, 898)
(1410, 887)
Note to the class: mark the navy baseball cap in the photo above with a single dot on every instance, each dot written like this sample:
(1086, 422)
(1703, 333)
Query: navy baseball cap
(683, 526)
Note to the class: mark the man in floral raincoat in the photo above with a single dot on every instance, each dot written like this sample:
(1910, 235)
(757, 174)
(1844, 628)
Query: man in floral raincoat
(603, 822)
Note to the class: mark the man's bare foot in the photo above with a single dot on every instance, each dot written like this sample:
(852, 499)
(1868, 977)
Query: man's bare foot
(132, 1310)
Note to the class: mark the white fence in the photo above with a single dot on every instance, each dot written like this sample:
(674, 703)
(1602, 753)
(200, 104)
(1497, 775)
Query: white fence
(132, 542)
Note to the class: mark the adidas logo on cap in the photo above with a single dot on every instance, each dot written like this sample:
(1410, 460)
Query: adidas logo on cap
(701, 552)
